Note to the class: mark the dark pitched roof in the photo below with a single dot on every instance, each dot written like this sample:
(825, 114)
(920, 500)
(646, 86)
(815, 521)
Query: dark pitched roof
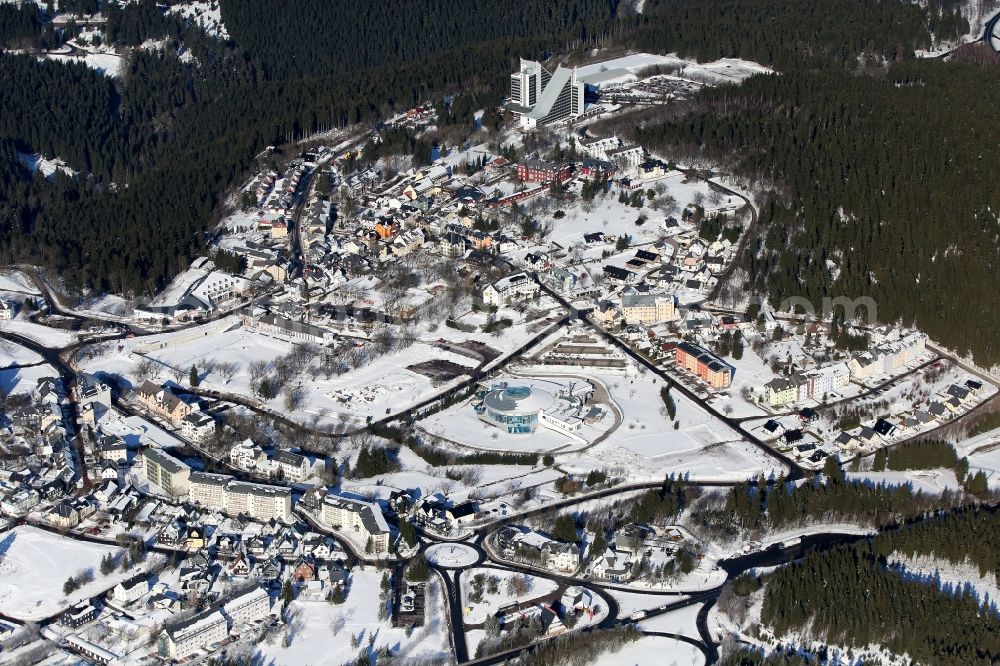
(883, 427)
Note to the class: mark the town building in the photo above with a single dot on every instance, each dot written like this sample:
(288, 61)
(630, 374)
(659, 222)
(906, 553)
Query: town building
(521, 409)
(90, 389)
(162, 402)
(206, 489)
(647, 309)
(131, 590)
(246, 455)
(540, 98)
(291, 466)
(164, 471)
(887, 357)
(239, 498)
(704, 364)
(78, 615)
(274, 324)
(518, 286)
(197, 427)
(247, 607)
(539, 171)
(363, 518)
(185, 638)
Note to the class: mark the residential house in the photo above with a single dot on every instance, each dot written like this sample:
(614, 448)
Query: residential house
(131, 590)
(519, 286)
(162, 402)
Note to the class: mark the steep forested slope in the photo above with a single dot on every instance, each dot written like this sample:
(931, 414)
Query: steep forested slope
(894, 192)
(308, 37)
(849, 597)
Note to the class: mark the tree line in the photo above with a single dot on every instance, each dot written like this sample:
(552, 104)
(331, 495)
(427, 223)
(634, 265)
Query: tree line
(849, 597)
(759, 506)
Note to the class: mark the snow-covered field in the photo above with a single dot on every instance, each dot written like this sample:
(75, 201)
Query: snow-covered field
(722, 71)
(206, 14)
(34, 564)
(681, 621)
(610, 217)
(983, 452)
(460, 424)
(321, 633)
(931, 481)
(422, 479)
(36, 162)
(105, 63)
(630, 602)
(948, 575)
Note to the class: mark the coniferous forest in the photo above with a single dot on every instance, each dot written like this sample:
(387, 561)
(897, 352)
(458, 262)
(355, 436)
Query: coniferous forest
(850, 597)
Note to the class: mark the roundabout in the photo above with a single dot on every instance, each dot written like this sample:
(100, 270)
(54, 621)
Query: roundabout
(452, 555)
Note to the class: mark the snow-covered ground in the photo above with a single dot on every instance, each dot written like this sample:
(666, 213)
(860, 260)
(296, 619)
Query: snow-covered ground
(681, 621)
(14, 354)
(37, 162)
(206, 14)
(630, 602)
(108, 64)
(476, 613)
(609, 216)
(486, 481)
(646, 445)
(16, 281)
(948, 575)
(983, 452)
(321, 633)
(24, 380)
(931, 481)
(34, 564)
(720, 71)
(658, 650)
(44, 335)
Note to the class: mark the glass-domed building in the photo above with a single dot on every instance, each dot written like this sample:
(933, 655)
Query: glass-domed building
(520, 409)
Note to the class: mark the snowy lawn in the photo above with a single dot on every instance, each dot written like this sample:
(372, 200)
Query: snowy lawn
(321, 633)
(34, 564)
(476, 613)
(657, 650)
